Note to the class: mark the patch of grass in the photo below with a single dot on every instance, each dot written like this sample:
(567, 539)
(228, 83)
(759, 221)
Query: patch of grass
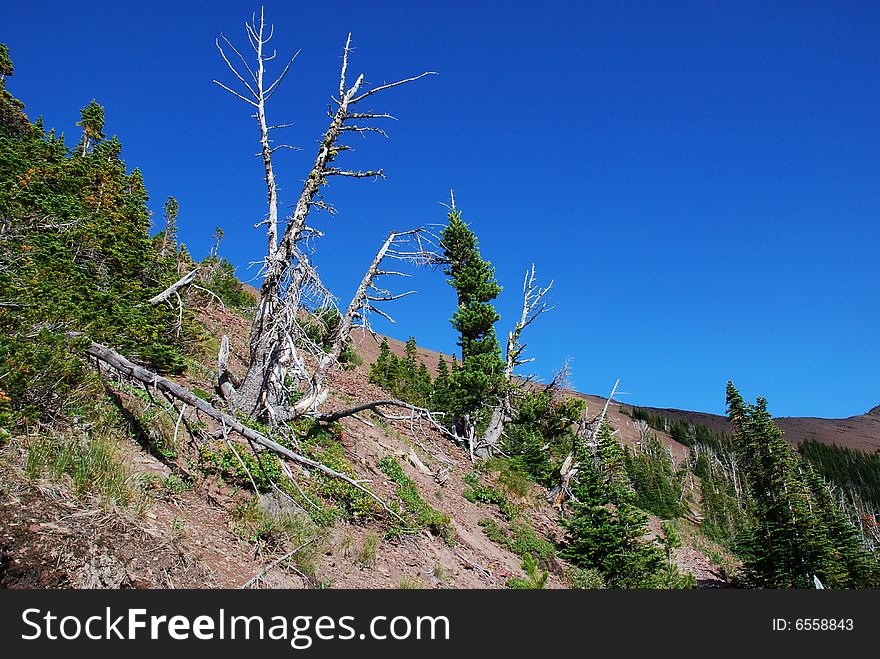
(410, 583)
(408, 492)
(201, 393)
(368, 551)
(345, 545)
(174, 484)
(477, 492)
(519, 538)
(511, 480)
(441, 575)
(149, 424)
(177, 532)
(89, 463)
(275, 532)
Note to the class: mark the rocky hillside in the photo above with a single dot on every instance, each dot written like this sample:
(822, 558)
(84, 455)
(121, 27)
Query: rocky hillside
(168, 519)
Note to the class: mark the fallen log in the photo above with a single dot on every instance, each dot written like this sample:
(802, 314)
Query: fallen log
(154, 381)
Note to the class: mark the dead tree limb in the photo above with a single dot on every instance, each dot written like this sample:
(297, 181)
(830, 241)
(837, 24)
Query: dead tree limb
(534, 305)
(156, 382)
(253, 80)
(184, 281)
(360, 306)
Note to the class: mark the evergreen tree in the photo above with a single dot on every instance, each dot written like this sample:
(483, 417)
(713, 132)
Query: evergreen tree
(607, 530)
(217, 236)
(77, 256)
(6, 68)
(13, 120)
(410, 357)
(406, 378)
(440, 390)
(541, 433)
(797, 532)
(477, 383)
(92, 123)
(384, 370)
(658, 484)
(168, 237)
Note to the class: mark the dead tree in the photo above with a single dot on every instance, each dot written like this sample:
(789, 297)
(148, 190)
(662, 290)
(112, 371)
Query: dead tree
(585, 437)
(366, 297)
(534, 304)
(290, 282)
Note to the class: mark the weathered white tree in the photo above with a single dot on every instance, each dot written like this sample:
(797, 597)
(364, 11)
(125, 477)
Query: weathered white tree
(534, 305)
(291, 288)
(283, 359)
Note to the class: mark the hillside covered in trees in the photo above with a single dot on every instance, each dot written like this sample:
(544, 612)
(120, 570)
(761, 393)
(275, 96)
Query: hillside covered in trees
(162, 426)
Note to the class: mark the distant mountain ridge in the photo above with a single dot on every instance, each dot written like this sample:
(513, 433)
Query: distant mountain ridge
(859, 432)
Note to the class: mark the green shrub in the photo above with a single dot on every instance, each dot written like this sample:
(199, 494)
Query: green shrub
(355, 504)
(222, 281)
(477, 492)
(534, 579)
(424, 515)
(239, 466)
(519, 538)
(541, 434)
(585, 578)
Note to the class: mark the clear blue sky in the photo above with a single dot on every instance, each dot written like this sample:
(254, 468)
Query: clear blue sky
(701, 179)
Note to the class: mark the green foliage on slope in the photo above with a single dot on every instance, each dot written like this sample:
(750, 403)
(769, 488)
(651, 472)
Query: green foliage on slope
(75, 256)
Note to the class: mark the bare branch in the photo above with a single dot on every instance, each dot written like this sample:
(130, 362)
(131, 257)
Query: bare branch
(184, 281)
(271, 89)
(233, 69)
(370, 115)
(390, 85)
(388, 298)
(345, 52)
(235, 93)
(354, 174)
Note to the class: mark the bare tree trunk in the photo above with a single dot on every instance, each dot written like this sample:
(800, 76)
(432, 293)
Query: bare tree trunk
(533, 306)
(288, 277)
